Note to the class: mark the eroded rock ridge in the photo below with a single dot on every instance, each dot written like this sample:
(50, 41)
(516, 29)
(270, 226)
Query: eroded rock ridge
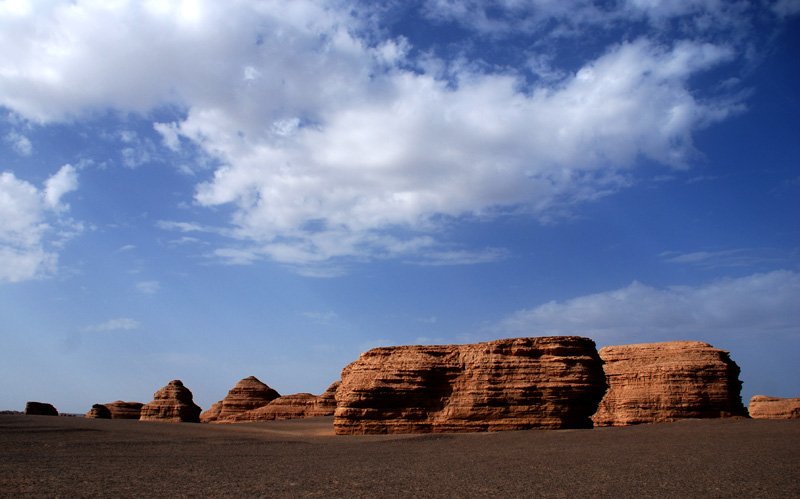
(510, 384)
(669, 381)
(763, 407)
(173, 403)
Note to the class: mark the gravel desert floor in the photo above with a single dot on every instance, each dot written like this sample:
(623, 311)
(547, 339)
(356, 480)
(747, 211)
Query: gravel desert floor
(44, 456)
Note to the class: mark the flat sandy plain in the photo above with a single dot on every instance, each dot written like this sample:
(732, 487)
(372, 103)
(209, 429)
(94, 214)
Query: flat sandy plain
(44, 456)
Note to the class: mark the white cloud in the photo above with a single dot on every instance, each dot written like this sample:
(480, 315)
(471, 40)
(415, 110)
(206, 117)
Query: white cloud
(64, 181)
(20, 143)
(121, 324)
(331, 147)
(27, 233)
(757, 304)
(148, 287)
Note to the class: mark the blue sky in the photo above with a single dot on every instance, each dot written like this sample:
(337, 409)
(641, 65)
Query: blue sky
(204, 191)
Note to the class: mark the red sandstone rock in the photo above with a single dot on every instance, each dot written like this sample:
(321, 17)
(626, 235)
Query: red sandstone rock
(763, 407)
(125, 410)
(298, 405)
(40, 409)
(172, 403)
(658, 382)
(512, 384)
(248, 394)
(211, 415)
(99, 411)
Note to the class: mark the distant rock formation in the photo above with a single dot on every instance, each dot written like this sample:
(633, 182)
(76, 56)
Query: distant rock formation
(248, 394)
(99, 411)
(172, 403)
(40, 409)
(511, 384)
(298, 405)
(763, 407)
(211, 415)
(659, 382)
(125, 410)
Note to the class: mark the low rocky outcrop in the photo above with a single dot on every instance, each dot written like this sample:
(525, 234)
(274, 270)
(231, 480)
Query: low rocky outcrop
(298, 405)
(99, 411)
(173, 403)
(763, 407)
(248, 394)
(659, 382)
(40, 409)
(125, 410)
(511, 384)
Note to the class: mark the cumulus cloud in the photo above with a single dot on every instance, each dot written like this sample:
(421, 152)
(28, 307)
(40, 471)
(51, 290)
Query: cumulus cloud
(334, 143)
(757, 304)
(121, 324)
(29, 218)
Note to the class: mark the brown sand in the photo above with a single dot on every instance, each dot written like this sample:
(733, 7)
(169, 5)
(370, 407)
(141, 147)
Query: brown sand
(44, 456)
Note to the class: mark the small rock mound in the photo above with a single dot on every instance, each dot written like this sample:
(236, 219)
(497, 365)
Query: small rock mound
(99, 411)
(296, 406)
(763, 407)
(248, 394)
(40, 409)
(125, 410)
(172, 403)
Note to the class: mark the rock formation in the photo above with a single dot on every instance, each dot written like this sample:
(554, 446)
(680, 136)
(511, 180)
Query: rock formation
(211, 415)
(248, 394)
(125, 410)
(99, 411)
(298, 405)
(40, 409)
(658, 382)
(511, 384)
(172, 403)
(763, 407)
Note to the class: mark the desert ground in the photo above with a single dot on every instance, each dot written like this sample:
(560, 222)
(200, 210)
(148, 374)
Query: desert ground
(43, 456)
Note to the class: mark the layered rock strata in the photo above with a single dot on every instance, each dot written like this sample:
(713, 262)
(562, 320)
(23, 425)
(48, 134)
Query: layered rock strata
(298, 405)
(248, 394)
(511, 384)
(40, 409)
(125, 410)
(659, 382)
(763, 407)
(99, 411)
(173, 403)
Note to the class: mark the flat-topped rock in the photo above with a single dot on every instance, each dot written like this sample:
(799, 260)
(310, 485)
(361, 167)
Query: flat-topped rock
(248, 394)
(659, 382)
(125, 410)
(98, 411)
(40, 409)
(763, 407)
(172, 403)
(511, 384)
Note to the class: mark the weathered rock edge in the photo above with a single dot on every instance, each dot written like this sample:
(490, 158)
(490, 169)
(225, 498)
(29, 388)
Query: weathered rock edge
(510, 384)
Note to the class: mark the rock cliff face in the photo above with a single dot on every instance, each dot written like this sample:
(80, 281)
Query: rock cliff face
(125, 410)
(40, 409)
(298, 405)
(763, 407)
(248, 394)
(99, 411)
(659, 382)
(172, 403)
(512, 384)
